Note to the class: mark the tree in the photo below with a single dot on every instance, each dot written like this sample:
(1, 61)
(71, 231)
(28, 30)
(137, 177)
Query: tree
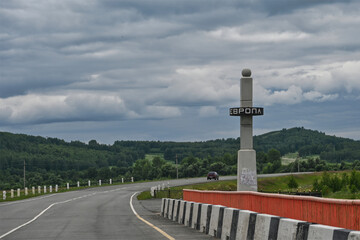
(157, 162)
(273, 155)
(292, 183)
(218, 167)
(92, 173)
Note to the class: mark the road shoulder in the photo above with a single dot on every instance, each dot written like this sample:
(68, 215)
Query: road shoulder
(150, 211)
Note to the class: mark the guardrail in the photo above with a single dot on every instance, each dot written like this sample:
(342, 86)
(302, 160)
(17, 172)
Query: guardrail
(333, 212)
(44, 189)
(230, 223)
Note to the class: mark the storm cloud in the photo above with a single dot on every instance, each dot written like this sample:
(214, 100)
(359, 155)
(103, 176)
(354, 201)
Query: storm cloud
(169, 70)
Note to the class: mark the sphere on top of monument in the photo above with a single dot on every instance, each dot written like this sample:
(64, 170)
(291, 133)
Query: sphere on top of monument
(246, 72)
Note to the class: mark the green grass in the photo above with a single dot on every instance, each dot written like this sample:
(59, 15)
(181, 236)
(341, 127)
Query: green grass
(291, 157)
(275, 184)
(152, 156)
(144, 195)
(272, 184)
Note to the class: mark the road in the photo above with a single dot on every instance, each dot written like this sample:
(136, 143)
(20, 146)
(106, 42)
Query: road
(93, 213)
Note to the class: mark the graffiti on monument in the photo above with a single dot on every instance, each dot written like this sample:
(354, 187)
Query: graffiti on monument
(248, 177)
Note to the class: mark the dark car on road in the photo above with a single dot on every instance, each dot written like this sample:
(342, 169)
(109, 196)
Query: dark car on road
(212, 175)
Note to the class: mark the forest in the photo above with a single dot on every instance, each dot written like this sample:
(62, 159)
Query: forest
(55, 161)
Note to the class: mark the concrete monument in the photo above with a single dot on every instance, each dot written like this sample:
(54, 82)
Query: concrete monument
(246, 176)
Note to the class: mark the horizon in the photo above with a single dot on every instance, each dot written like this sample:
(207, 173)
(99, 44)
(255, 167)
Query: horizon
(72, 140)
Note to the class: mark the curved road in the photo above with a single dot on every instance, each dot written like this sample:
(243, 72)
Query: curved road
(93, 213)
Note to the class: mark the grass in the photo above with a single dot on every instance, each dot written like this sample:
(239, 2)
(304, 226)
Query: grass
(271, 184)
(150, 157)
(274, 184)
(291, 157)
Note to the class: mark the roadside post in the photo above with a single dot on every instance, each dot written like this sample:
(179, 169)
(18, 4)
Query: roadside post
(246, 172)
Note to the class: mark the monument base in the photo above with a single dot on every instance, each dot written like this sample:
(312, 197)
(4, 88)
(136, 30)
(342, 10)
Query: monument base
(247, 177)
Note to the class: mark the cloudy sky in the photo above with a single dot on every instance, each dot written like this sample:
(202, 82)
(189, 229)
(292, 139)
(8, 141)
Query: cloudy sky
(169, 70)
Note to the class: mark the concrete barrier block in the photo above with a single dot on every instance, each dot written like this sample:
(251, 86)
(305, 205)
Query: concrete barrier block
(182, 212)
(166, 208)
(354, 235)
(188, 213)
(246, 224)
(162, 210)
(216, 221)
(176, 210)
(321, 232)
(266, 226)
(205, 218)
(288, 229)
(196, 216)
(171, 208)
(152, 191)
(229, 226)
(341, 234)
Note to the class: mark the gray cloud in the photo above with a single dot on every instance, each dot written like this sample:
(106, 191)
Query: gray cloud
(104, 61)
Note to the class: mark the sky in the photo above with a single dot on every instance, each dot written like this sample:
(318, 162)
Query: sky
(170, 70)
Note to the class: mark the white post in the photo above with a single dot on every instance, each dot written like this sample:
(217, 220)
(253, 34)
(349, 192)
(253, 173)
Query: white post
(4, 195)
(50, 188)
(110, 181)
(163, 187)
(12, 193)
(18, 192)
(78, 184)
(33, 190)
(132, 179)
(45, 189)
(26, 191)
(39, 190)
(56, 188)
(67, 186)
(99, 182)
(89, 183)
(122, 180)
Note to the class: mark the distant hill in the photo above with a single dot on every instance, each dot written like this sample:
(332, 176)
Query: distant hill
(309, 142)
(50, 160)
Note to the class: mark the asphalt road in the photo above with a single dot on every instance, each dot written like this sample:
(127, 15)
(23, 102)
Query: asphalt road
(94, 213)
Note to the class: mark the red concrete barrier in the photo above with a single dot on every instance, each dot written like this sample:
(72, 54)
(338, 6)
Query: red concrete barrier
(332, 212)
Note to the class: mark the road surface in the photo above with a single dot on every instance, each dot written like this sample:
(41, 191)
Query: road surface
(94, 213)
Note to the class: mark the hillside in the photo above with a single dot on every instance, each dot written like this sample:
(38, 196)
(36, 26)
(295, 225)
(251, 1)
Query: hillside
(54, 160)
(309, 142)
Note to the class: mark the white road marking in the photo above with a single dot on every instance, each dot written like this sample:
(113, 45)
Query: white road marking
(148, 223)
(27, 200)
(51, 205)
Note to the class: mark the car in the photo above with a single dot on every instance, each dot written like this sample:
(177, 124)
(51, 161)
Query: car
(212, 175)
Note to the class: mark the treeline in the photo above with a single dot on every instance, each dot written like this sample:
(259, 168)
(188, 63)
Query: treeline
(54, 160)
(309, 142)
(338, 182)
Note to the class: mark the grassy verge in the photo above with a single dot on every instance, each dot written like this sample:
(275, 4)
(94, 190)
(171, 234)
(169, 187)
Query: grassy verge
(272, 184)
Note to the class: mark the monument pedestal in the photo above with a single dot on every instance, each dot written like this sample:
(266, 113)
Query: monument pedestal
(247, 177)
